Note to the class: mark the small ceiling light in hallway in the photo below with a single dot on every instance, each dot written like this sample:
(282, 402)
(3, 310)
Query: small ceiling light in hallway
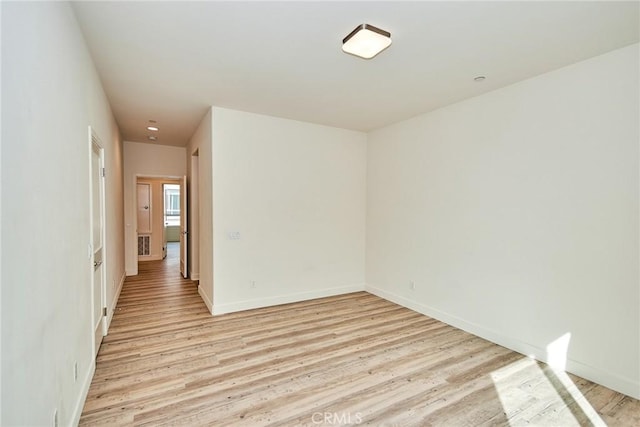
(366, 41)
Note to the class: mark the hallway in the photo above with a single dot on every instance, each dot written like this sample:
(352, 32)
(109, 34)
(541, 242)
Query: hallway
(148, 334)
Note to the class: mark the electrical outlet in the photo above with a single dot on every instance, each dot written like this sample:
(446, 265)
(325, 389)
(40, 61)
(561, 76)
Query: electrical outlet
(412, 285)
(75, 372)
(253, 284)
(233, 235)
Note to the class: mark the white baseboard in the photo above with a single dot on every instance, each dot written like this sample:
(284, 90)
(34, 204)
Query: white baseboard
(112, 307)
(84, 391)
(283, 299)
(131, 272)
(597, 375)
(194, 276)
(206, 299)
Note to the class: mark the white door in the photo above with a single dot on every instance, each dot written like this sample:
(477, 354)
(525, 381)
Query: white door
(183, 228)
(97, 243)
(144, 208)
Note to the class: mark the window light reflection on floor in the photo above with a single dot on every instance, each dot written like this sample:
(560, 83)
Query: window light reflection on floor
(532, 392)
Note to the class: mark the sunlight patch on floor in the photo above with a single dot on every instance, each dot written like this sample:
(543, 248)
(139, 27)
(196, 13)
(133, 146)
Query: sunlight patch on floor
(557, 355)
(579, 398)
(532, 394)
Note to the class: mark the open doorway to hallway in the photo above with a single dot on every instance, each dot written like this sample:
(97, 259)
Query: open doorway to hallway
(161, 224)
(172, 215)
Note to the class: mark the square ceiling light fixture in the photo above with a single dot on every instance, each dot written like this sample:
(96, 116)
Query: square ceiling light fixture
(366, 41)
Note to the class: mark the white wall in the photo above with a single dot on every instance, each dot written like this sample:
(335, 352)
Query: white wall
(201, 207)
(147, 160)
(296, 194)
(516, 215)
(50, 95)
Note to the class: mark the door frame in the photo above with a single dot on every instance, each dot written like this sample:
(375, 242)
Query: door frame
(133, 244)
(193, 220)
(95, 143)
(184, 229)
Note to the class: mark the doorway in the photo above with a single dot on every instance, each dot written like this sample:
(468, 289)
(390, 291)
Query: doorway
(97, 215)
(161, 222)
(193, 218)
(175, 223)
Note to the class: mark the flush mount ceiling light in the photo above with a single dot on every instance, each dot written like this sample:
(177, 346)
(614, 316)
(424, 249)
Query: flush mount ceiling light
(153, 138)
(366, 41)
(153, 128)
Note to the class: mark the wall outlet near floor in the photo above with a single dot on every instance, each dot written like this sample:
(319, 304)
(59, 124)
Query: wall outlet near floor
(233, 235)
(75, 372)
(253, 284)
(412, 285)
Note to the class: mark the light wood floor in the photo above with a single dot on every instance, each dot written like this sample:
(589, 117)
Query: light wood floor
(351, 359)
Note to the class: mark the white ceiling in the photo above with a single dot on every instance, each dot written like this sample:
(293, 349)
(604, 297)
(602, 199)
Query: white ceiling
(169, 61)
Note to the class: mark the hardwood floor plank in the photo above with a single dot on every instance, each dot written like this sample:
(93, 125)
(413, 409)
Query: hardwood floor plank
(347, 359)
